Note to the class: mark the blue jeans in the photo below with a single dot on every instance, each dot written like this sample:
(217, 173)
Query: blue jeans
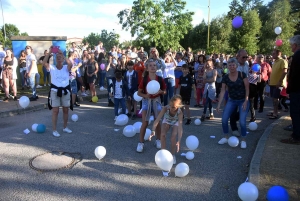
(23, 77)
(109, 82)
(31, 83)
(119, 101)
(101, 76)
(229, 109)
(170, 84)
(46, 75)
(295, 113)
(208, 103)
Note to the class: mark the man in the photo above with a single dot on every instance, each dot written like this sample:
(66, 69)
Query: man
(293, 89)
(60, 93)
(178, 70)
(243, 66)
(31, 71)
(99, 48)
(265, 71)
(277, 81)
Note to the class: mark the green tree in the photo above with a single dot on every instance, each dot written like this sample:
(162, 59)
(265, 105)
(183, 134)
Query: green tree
(236, 9)
(161, 24)
(295, 10)
(109, 39)
(278, 16)
(10, 30)
(246, 36)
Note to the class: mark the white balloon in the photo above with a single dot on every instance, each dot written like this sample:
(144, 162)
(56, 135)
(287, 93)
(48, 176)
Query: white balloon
(164, 160)
(122, 120)
(233, 141)
(33, 127)
(190, 155)
(248, 192)
(197, 122)
(24, 101)
(181, 170)
(136, 97)
(100, 152)
(278, 30)
(192, 142)
(74, 117)
(129, 131)
(151, 119)
(147, 134)
(253, 126)
(153, 87)
(120, 111)
(137, 126)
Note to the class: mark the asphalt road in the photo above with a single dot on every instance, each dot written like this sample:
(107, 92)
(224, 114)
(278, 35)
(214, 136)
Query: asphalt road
(123, 174)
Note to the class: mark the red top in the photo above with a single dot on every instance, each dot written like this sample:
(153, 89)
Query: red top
(266, 71)
(163, 87)
(139, 68)
(283, 91)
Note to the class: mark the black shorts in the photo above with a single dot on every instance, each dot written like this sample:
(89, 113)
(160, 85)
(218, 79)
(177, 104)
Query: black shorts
(91, 80)
(275, 92)
(186, 100)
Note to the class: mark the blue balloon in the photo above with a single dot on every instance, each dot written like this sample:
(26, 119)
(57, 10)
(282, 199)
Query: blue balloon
(256, 67)
(277, 193)
(41, 128)
(237, 22)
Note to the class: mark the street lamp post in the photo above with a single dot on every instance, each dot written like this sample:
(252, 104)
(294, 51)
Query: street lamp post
(3, 24)
(208, 24)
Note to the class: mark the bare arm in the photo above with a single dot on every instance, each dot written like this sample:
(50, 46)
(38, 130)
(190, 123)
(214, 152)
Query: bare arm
(221, 96)
(160, 115)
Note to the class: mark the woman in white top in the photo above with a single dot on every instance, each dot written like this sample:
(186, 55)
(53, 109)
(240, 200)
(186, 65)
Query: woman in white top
(169, 76)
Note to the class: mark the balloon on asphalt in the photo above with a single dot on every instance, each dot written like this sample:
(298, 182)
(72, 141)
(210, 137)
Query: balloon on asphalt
(136, 97)
(74, 117)
(278, 30)
(41, 128)
(34, 127)
(248, 192)
(129, 131)
(100, 152)
(233, 141)
(95, 99)
(137, 126)
(122, 120)
(147, 134)
(24, 101)
(237, 22)
(153, 87)
(253, 126)
(190, 155)
(197, 122)
(181, 170)
(192, 142)
(164, 160)
(277, 193)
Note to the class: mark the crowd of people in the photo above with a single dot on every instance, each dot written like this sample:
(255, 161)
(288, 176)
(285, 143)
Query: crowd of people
(234, 80)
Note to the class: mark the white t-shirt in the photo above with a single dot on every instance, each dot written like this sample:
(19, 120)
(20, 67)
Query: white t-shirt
(118, 90)
(2, 56)
(100, 49)
(169, 70)
(129, 78)
(59, 78)
(29, 59)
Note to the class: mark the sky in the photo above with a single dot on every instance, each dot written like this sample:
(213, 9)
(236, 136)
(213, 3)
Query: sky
(78, 18)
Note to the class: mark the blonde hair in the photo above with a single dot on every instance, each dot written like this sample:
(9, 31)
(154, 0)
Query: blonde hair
(175, 98)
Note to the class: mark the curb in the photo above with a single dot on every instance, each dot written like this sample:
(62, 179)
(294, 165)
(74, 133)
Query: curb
(253, 175)
(41, 106)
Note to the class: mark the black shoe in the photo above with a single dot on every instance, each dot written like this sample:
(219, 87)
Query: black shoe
(188, 122)
(260, 111)
(5, 99)
(201, 106)
(252, 119)
(15, 98)
(128, 115)
(111, 104)
(197, 105)
(133, 117)
(76, 105)
(32, 99)
(37, 97)
(202, 117)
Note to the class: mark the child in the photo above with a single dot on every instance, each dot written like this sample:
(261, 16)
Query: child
(150, 102)
(186, 83)
(120, 88)
(131, 78)
(253, 78)
(172, 117)
(282, 99)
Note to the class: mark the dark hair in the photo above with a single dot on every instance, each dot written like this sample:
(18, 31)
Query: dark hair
(130, 63)
(204, 58)
(185, 66)
(100, 57)
(118, 74)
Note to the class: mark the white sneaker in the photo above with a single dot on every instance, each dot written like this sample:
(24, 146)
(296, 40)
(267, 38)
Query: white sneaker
(243, 145)
(158, 144)
(39, 86)
(236, 133)
(49, 85)
(44, 85)
(104, 89)
(174, 159)
(101, 88)
(67, 130)
(55, 134)
(83, 94)
(140, 147)
(223, 141)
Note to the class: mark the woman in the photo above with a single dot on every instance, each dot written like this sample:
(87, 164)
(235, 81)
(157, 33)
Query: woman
(72, 76)
(122, 62)
(238, 91)
(22, 64)
(209, 77)
(45, 72)
(101, 70)
(110, 74)
(169, 76)
(85, 85)
(154, 55)
(92, 70)
(9, 74)
(199, 72)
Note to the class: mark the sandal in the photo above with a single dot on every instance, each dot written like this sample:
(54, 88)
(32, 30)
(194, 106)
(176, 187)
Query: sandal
(270, 114)
(290, 141)
(273, 117)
